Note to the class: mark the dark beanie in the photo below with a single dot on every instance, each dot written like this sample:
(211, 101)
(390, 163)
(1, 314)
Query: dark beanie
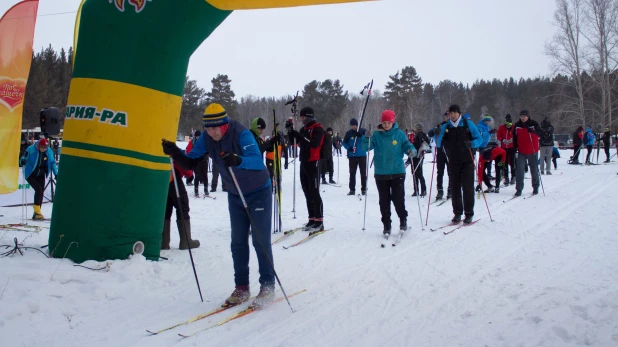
(329, 129)
(197, 133)
(261, 124)
(508, 118)
(524, 113)
(454, 108)
(353, 121)
(307, 112)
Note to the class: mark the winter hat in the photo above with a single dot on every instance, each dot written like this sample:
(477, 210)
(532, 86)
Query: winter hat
(606, 129)
(353, 121)
(329, 129)
(524, 113)
(508, 118)
(545, 123)
(215, 115)
(418, 126)
(388, 116)
(197, 133)
(446, 114)
(454, 108)
(307, 112)
(487, 118)
(42, 143)
(261, 124)
(580, 129)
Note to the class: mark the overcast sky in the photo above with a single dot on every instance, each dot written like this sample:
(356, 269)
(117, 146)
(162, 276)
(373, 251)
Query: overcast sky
(276, 52)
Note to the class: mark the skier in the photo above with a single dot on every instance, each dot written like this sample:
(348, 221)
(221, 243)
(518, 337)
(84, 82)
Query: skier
(505, 138)
(232, 146)
(56, 146)
(484, 128)
(460, 138)
(326, 164)
(491, 153)
(606, 138)
(173, 202)
(578, 140)
(201, 169)
(555, 155)
(38, 161)
(589, 139)
(547, 145)
(420, 139)
(526, 141)
(442, 161)
(357, 155)
(310, 140)
(390, 144)
(337, 144)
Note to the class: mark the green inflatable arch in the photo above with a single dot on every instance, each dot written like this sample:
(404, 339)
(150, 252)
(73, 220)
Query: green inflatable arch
(130, 63)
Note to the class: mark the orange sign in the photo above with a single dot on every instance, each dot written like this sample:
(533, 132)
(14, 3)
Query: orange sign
(16, 36)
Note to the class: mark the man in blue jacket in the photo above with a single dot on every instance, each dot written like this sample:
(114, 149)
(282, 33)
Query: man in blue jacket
(460, 138)
(357, 155)
(38, 161)
(231, 145)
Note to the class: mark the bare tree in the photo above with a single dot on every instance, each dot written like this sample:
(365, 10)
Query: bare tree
(601, 18)
(567, 51)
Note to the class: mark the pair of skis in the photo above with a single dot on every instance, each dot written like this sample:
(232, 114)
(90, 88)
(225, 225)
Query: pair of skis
(292, 231)
(397, 240)
(235, 316)
(455, 226)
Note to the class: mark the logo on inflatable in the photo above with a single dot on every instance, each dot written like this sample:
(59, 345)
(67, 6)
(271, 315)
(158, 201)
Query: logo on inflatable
(12, 92)
(138, 4)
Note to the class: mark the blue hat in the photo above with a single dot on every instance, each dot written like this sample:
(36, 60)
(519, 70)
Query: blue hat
(487, 118)
(353, 121)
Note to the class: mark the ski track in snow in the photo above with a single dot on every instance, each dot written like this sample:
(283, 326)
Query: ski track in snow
(544, 273)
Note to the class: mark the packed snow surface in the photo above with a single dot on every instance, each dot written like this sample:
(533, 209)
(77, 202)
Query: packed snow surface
(543, 273)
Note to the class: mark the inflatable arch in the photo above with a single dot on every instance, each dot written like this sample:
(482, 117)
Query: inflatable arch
(129, 67)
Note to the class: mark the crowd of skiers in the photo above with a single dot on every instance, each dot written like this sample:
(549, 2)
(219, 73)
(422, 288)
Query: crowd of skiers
(237, 155)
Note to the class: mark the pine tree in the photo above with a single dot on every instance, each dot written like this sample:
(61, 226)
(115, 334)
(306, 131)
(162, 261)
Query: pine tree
(223, 94)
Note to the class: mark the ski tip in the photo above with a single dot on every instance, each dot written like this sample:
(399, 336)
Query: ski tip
(152, 332)
(183, 336)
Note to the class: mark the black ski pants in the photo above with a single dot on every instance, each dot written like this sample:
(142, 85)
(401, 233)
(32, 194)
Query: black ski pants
(38, 184)
(392, 188)
(173, 202)
(442, 162)
(360, 163)
(510, 162)
(461, 177)
(417, 163)
(327, 167)
(589, 149)
(498, 174)
(606, 148)
(215, 179)
(310, 182)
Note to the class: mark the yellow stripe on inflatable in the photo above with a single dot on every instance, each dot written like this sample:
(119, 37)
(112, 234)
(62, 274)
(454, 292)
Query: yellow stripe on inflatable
(118, 159)
(231, 5)
(127, 116)
(76, 31)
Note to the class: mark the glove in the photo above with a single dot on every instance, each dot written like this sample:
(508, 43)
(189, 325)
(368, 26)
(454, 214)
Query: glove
(501, 164)
(353, 149)
(275, 139)
(468, 144)
(230, 159)
(478, 188)
(169, 147)
(368, 133)
(293, 134)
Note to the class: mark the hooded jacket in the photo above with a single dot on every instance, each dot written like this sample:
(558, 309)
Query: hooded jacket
(526, 137)
(31, 158)
(590, 137)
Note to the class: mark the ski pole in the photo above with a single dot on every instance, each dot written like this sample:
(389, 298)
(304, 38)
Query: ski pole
(184, 228)
(481, 183)
(253, 226)
(367, 175)
(431, 185)
(294, 103)
(418, 201)
(368, 87)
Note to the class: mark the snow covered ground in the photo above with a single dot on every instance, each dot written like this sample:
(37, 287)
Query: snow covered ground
(544, 273)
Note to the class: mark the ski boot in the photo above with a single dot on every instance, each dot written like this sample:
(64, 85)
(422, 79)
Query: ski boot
(440, 194)
(364, 191)
(316, 227)
(240, 295)
(497, 190)
(423, 193)
(403, 225)
(535, 190)
(264, 297)
(324, 181)
(518, 193)
(448, 194)
(308, 226)
(512, 180)
(456, 219)
(490, 190)
(352, 192)
(468, 219)
(387, 230)
(415, 193)
(331, 181)
(37, 215)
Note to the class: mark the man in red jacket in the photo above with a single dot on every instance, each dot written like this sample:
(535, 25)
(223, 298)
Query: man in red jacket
(505, 138)
(490, 153)
(526, 140)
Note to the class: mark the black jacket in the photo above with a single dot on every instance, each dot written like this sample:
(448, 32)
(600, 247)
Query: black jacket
(309, 140)
(546, 138)
(327, 146)
(606, 137)
(577, 142)
(419, 138)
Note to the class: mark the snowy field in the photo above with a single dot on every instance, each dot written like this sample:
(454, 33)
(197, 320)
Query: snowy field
(544, 273)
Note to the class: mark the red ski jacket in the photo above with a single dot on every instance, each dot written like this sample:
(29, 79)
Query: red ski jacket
(495, 153)
(526, 137)
(505, 136)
